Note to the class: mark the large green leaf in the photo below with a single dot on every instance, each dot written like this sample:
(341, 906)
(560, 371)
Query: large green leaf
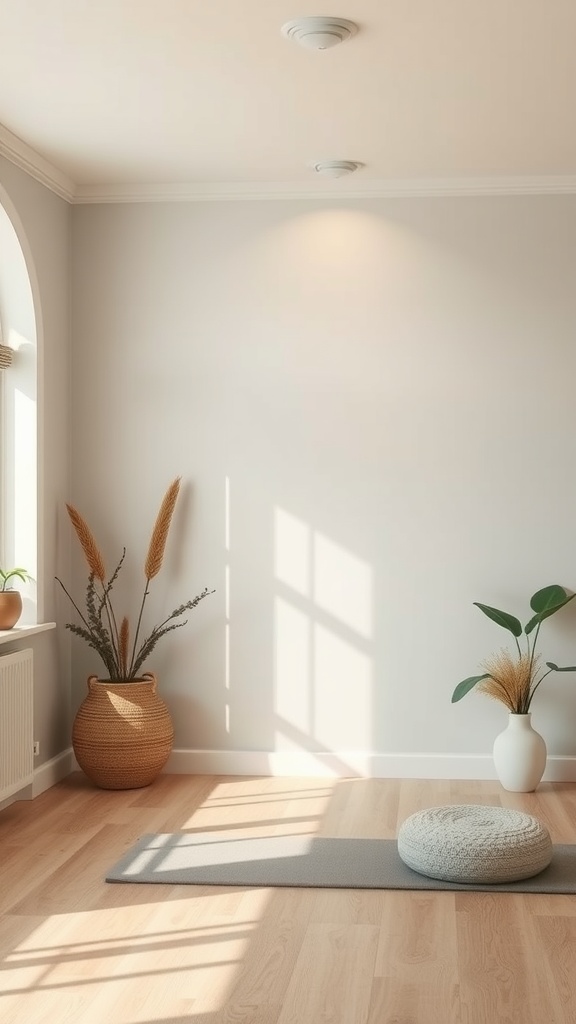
(549, 599)
(466, 685)
(557, 598)
(556, 668)
(509, 622)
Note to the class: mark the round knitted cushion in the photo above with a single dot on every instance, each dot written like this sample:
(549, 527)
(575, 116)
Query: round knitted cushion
(474, 843)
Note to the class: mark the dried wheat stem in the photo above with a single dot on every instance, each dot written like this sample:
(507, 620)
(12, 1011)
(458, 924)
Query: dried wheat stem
(123, 646)
(159, 536)
(89, 545)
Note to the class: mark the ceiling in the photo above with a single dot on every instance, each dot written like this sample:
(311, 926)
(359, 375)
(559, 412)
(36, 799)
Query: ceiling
(129, 95)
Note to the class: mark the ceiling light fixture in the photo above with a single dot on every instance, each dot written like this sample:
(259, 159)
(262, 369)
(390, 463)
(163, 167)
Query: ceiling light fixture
(335, 168)
(319, 33)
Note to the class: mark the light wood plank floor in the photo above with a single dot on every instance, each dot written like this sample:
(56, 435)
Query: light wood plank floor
(74, 948)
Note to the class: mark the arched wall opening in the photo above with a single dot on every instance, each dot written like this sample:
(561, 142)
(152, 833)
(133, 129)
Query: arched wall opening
(18, 412)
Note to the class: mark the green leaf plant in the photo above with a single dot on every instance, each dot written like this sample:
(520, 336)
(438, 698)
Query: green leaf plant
(514, 678)
(7, 574)
(103, 631)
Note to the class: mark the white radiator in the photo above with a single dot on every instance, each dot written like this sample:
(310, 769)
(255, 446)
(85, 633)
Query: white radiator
(16, 722)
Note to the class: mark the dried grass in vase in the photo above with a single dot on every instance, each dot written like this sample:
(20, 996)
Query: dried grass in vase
(122, 656)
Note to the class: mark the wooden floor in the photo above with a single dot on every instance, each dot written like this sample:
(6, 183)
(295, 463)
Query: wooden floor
(76, 949)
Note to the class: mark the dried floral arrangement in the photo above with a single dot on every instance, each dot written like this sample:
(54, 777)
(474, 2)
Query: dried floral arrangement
(122, 655)
(513, 678)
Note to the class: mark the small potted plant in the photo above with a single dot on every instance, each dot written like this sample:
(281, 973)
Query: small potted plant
(513, 678)
(123, 733)
(10, 599)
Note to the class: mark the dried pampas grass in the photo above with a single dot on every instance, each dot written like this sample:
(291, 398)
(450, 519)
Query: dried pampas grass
(123, 637)
(511, 679)
(159, 536)
(89, 545)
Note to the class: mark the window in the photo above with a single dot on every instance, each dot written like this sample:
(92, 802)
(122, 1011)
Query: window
(18, 415)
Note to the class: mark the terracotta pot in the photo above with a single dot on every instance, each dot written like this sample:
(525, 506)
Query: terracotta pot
(10, 608)
(122, 733)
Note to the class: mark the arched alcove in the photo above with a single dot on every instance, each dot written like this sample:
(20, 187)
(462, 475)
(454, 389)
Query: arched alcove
(18, 411)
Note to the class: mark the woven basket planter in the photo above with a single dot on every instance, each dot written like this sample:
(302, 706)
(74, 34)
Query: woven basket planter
(122, 734)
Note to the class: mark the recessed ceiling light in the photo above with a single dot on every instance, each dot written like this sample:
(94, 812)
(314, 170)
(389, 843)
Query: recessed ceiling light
(319, 33)
(335, 168)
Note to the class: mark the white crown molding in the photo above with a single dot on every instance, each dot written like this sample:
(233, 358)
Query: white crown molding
(367, 189)
(23, 156)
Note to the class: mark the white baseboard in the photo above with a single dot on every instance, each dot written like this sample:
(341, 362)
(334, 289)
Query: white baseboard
(47, 775)
(53, 771)
(306, 764)
(351, 765)
(560, 769)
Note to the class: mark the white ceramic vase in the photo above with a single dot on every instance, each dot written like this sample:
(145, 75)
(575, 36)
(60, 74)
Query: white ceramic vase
(519, 755)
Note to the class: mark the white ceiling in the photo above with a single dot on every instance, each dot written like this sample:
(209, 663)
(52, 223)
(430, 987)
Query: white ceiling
(190, 92)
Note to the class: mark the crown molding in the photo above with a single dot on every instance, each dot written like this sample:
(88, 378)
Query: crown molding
(370, 189)
(23, 156)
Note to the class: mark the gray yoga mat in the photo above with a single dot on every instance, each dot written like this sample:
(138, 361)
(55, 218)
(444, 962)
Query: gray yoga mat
(206, 858)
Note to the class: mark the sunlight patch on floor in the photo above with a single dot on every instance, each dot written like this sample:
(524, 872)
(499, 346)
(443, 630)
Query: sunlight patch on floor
(57, 970)
(270, 807)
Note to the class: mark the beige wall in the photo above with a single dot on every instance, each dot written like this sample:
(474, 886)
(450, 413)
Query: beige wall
(385, 392)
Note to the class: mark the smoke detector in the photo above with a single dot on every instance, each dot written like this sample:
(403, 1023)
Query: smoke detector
(335, 168)
(319, 33)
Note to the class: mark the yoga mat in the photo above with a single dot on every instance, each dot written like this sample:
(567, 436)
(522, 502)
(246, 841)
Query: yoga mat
(206, 858)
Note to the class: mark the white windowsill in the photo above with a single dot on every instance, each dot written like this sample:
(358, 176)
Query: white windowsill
(20, 632)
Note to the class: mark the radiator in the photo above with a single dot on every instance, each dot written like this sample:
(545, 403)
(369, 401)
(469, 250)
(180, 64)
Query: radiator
(16, 722)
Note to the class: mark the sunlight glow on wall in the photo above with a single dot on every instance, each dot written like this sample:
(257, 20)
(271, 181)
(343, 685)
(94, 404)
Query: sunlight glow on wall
(292, 552)
(292, 669)
(323, 618)
(227, 604)
(342, 693)
(227, 513)
(343, 585)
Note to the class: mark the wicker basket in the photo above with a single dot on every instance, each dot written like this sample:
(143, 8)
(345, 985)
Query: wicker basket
(122, 734)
